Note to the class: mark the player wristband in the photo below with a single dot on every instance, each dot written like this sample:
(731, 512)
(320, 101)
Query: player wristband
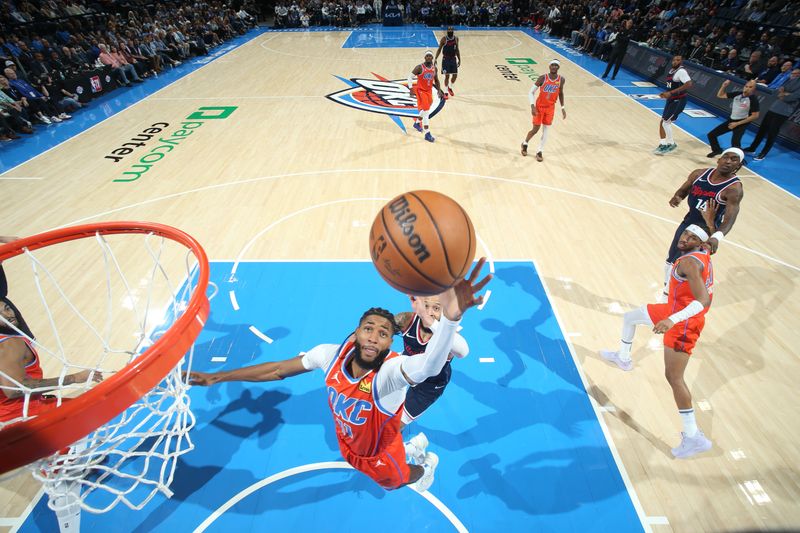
(687, 312)
(718, 235)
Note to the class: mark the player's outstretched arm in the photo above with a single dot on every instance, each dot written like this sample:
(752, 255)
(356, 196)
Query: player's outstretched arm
(274, 371)
(683, 190)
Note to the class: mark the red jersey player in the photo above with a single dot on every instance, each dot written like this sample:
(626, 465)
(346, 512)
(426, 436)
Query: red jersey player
(427, 79)
(543, 108)
(367, 384)
(19, 366)
(681, 320)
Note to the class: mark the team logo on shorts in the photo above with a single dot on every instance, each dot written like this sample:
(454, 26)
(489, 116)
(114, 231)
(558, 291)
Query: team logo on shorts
(389, 97)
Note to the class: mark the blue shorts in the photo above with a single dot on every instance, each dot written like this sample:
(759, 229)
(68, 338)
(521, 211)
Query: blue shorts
(673, 109)
(422, 396)
(449, 65)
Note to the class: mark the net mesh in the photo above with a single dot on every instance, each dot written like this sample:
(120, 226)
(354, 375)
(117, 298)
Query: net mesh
(88, 327)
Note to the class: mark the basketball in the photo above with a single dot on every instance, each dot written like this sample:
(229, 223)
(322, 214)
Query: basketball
(422, 243)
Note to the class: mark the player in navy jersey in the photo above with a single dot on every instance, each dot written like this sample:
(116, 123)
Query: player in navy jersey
(417, 328)
(451, 60)
(678, 84)
(719, 188)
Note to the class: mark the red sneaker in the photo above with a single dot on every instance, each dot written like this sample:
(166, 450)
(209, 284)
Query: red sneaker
(451, 91)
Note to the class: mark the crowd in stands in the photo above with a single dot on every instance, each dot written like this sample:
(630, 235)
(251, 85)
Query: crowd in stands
(751, 39)
(44, 43)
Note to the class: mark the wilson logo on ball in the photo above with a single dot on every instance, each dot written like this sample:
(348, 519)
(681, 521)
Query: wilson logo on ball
(405, 218)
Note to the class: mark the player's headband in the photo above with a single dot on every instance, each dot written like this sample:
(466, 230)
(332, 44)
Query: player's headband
(428, 53)
(697, 230)
(555, 62)
(736, 151)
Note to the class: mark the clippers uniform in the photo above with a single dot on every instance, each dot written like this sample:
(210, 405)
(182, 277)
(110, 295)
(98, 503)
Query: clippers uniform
(449, 63)
(424, 394)
(546, 101)
(683, 336)
(701, 192)
(676, 102)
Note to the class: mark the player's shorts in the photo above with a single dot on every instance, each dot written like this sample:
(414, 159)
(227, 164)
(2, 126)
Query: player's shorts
(36, 406)
(423, 395)
(449, 65)
(673, 109)
(682, 336)
(544, 115)
(424, 99)
(388, 468)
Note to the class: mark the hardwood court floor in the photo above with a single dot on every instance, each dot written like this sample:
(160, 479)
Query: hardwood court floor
(594, 216)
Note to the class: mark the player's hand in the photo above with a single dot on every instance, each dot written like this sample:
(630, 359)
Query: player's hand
(456, 300)
(663, 326)
(664, 95)
(202, 379)
(732, 125)
(441, 94)
(84, 375)
(563, 113)
(726, 83)
(711, 245)
(675, 201)
(710, 214)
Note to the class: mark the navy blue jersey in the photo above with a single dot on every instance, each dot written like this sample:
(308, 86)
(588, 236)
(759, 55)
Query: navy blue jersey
(672, 84)
(449, 48)
(701, 192)
(412, 337)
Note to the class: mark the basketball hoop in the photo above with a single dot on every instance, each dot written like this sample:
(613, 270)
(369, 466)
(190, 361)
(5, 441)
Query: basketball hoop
(119, 439)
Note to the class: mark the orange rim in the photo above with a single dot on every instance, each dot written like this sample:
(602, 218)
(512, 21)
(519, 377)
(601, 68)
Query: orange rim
(26, 441)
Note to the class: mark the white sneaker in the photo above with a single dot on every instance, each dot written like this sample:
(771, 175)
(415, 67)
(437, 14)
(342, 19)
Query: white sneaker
(45, 119)
(55, 119)
(64, 116)
(614, 357)
(415, 448)
(690, 446)
(424, 483)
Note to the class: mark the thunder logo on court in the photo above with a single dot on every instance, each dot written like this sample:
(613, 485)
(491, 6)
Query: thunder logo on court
(380, 95)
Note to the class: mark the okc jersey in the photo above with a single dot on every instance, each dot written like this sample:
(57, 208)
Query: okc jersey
(11, 408)
(680, 294)
(361, 424)
(548, 92)
(425, 78)
(701, 192)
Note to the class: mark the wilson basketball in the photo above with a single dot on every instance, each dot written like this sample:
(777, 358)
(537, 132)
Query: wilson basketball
(422, 243)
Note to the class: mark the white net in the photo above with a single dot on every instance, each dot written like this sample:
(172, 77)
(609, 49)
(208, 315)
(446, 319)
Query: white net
(94, 312)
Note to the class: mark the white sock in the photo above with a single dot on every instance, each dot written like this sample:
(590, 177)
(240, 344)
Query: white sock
(668, 131)
(630, 321)
(525, 144)
(545, 129)
(689, 422)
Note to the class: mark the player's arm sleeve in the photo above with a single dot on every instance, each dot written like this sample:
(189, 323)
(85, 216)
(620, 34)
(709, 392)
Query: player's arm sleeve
(420, 367)
(532, 94)
(460, 347)
(319, 356)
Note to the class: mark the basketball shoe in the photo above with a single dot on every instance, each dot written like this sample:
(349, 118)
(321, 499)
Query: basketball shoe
(450, 90)
(429, 137)
(415, 448)
(613, 357)
(671, 147)
(418, 127)
(424, 483)
(690, 446)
